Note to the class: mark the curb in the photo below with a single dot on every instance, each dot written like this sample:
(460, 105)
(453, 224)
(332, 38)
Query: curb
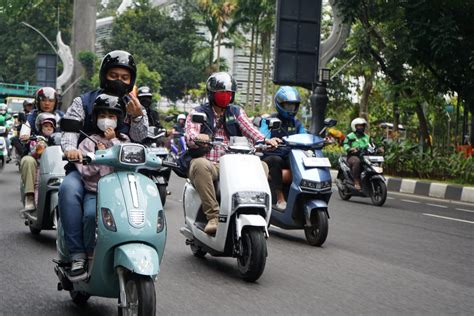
(425, 188)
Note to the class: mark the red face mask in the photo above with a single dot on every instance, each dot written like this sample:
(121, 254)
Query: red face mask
(222, 98)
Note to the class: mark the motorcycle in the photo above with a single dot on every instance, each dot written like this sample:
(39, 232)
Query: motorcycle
(245, 209)
(130, 232)
(51, 174)
(307, 188)
(372, 180)
(3, 150)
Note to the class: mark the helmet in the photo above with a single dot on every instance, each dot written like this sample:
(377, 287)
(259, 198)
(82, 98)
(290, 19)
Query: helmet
(144, 92)
(3, 108)
(28, 102)
(117, 58)
(358, 121)
(220, 81)
(181, 117)
(43, 118)
(110, 103)
(289, 95)
(48, 93)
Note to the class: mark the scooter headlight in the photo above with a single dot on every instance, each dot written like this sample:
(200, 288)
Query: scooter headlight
(108, 219)
(249, 198)
(313, 185)
(161, 222)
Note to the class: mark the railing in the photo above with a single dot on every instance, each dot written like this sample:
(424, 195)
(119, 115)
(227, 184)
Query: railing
(18, 89)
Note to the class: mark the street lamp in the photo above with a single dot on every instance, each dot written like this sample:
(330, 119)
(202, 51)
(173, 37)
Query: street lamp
(319, 101)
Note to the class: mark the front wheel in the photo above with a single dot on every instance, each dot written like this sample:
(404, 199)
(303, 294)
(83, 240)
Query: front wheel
(140, 296)
(317, 233)
(254, 254)
(79, 298)
(379, 192)
(344, 196)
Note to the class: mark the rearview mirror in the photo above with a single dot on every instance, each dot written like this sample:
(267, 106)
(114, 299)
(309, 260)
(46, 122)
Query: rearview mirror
(274, 123)
(70, 125)
(169, 118)
(330, 122)
(200, 118)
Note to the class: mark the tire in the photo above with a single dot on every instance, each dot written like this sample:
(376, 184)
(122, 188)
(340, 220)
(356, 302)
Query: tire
(254, 254)
(140, 291)
(344, 196)
(79, 298)
(318, 232)
(163, 193)
(34, 231)
(379, 194)
(197, 251)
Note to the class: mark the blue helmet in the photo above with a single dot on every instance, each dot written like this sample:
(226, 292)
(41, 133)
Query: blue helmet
(291, 98)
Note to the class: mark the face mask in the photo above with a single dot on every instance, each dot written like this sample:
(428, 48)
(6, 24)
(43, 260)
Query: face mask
(116, 87)
(146, 102)
(105, 123)
(222, 98)
(360, 130)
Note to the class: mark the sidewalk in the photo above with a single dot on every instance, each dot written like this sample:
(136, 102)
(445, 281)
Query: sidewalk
(426, 188)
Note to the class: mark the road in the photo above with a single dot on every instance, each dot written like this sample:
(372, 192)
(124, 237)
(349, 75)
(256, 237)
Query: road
(412, 256)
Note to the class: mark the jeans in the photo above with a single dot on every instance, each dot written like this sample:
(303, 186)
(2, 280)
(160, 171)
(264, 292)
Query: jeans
(89, 221)
(71, 196)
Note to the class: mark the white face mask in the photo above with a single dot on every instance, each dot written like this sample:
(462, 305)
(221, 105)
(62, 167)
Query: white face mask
(105, 123)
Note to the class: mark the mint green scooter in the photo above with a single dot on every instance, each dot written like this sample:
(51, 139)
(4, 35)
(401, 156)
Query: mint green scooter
(130, 232)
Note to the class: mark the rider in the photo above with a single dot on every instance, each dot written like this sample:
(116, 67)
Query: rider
(145, 97)
(117, 77)
(178, 130)
(5, 117)
(22, 119)
(355, 142)
(226, 120)
(287, 101)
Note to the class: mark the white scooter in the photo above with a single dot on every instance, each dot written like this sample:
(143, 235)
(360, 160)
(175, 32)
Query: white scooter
(245, 209)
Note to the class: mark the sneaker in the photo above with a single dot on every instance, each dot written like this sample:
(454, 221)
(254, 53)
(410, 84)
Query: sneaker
(281, 205)
(78, 269)
(357, 186)
(29, 202)
(211, 226)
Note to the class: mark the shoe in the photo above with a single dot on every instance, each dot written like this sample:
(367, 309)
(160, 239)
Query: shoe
(281, 205)
(78, 270)
(211, 226)
(9, 159)
(357, 186)
(30, 202)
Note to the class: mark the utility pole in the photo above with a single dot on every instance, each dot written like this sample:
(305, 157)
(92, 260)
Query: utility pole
(83, 39)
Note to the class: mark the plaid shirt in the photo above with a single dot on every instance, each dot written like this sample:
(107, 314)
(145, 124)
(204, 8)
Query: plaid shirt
(246, 127)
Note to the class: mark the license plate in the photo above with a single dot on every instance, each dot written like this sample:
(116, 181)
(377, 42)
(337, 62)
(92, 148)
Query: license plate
(316, 162)
(376, 158)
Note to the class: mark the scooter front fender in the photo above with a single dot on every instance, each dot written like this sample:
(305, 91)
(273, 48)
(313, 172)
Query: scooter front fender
(250, 220)
(138, 258)
(314, 205)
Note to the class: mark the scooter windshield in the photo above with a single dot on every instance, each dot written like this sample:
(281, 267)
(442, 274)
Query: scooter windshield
(305, 140)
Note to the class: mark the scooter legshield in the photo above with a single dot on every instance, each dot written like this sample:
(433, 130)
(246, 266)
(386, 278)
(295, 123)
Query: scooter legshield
(138, 258)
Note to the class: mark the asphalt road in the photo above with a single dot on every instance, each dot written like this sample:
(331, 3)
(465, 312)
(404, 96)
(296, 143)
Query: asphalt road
(412, 256)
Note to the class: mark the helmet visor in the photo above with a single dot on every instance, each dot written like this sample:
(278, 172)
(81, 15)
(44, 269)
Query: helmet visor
(291, 108)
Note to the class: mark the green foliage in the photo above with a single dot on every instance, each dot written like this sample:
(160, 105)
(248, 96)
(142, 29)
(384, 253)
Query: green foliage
(88, 60)
(149, 78)
(333, 152)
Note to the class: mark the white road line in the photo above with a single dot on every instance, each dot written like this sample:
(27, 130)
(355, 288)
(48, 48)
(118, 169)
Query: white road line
(464, 210)
(390, 198)
(437, 205)
(449, 218)
(410, 201)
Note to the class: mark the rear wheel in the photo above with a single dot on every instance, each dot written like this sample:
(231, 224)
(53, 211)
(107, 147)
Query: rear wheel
(379, 192)
(140, 296)
(34, 231)
(316, 234)
(254, 254)
(78, 297)
(197, 251)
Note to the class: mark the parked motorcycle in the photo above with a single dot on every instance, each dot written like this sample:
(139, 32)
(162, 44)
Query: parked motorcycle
(372, 180)
(130, 232)
(245, 209)
(308, 188)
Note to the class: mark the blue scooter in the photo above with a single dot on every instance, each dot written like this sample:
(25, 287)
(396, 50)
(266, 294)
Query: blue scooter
(309, 191)
(130, 232)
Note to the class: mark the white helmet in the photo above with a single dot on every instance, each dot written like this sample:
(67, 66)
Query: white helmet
(358, 121)
(3, 108)
(181, 117)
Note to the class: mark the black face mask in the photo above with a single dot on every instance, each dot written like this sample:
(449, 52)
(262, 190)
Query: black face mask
(360, 131)
(146, 102)
(116, 87)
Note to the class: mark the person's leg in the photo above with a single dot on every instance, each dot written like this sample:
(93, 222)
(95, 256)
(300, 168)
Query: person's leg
(89, 222)
(355, 164)
(202, 174)
(275, 166)
(28, 166)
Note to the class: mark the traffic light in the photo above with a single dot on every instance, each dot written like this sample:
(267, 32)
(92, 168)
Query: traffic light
(298, 30)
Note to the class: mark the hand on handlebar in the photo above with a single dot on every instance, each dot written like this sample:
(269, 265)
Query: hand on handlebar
(353, 150)
(73, 154)
(273, 142)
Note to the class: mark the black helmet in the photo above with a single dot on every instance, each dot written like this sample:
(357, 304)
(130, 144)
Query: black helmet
(108, 103)
(144, 92)
(46, 92)
(220, 81)
(117, 58)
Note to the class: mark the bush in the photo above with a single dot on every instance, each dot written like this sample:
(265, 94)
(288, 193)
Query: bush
(333, 152)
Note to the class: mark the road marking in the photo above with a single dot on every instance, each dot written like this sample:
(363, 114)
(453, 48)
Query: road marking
(449, 218)
(436, 205)
(464, 210)
(390, 198)
(410, 201)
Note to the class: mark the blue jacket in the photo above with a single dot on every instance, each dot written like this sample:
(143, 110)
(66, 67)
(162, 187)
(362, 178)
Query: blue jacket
(288, 127)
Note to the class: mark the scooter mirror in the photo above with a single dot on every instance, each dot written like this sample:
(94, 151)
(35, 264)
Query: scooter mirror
(169, 118)
(274, 123)
(200, 118)
(153, 131)
(330, 122)
(70, 125)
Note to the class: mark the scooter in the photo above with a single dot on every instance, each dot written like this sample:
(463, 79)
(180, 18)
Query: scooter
(245, 209)
(3, 147)
(307, 188)
(51, 174)
(130, 232)
(372, 180)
